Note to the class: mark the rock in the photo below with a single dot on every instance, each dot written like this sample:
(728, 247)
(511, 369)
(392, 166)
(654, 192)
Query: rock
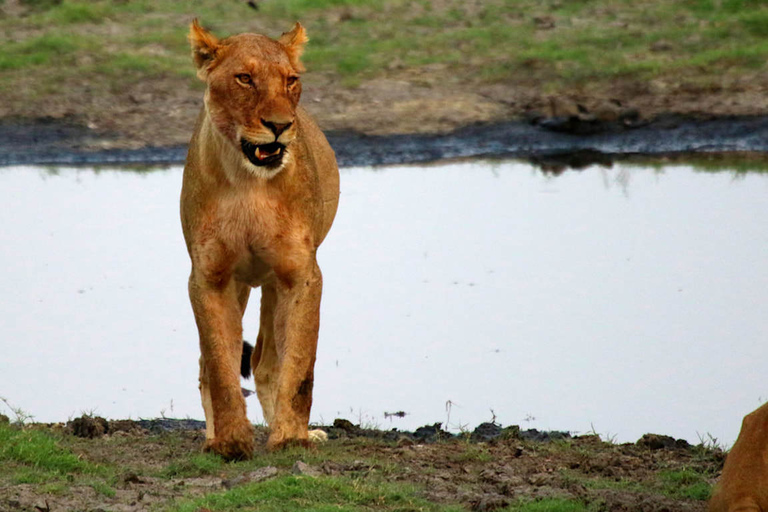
(259, 475)
(132, 478)
(302, 468)
(545, 436)
(560, 106)
(486, 432)
(431, 433)
(657, 442)
(345, 425)
(88, 426)
(607, 111)
(489, 502)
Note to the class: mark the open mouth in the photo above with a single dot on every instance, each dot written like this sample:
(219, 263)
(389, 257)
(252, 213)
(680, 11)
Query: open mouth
(266, 155)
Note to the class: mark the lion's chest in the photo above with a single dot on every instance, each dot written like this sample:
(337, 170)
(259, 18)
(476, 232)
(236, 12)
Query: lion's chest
(249, 228)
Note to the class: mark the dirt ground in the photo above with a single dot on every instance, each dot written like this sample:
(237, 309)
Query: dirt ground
(159, 113)
(487, 470)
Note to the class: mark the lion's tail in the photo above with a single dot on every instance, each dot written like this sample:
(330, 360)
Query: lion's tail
(245, 362)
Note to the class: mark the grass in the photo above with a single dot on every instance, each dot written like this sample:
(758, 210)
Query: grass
(552, 44)
(29, 456)
(685, 483)
(297, 493)
(36, 453)
(548, 505)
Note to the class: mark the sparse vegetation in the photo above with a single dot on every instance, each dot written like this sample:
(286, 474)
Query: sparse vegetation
(498, 40)
(118, 63)
(297, 493)
(167, 472)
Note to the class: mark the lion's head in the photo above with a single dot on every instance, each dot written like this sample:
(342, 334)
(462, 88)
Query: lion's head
(253, 90)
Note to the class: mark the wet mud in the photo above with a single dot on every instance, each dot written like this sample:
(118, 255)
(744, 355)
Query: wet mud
(572, 140)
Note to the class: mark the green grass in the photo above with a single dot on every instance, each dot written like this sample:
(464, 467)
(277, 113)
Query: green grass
(578, 42)
(292, 493)
(685, 483)
(548, 505)
(37, 453)
(29, 456)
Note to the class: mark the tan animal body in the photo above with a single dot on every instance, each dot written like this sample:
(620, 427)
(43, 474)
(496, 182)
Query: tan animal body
(260, 192)
(743, 486)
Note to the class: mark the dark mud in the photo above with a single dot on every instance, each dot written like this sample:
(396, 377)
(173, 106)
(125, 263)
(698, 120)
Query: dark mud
(571, 141)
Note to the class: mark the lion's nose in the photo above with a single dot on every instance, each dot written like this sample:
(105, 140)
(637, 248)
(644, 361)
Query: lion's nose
(276, 128)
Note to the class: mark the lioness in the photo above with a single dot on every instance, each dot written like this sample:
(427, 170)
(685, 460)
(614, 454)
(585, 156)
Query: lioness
(743, 485)
(260, 192)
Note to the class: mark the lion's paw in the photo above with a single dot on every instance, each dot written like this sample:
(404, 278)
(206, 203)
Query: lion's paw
(317, 436)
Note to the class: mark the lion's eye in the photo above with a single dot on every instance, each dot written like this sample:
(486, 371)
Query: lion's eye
(244, 78)
(292, 80)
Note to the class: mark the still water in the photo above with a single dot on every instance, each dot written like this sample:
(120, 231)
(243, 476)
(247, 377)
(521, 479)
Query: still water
(623, 300)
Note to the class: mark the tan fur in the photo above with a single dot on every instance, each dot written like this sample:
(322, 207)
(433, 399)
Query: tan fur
(743, 486)
(249, 225)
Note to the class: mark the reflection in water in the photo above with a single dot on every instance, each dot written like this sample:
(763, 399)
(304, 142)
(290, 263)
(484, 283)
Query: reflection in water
(622, 299)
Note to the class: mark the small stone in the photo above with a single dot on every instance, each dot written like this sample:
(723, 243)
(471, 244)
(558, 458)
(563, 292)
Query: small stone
(302, 468)
(259, 475)
(132, 478)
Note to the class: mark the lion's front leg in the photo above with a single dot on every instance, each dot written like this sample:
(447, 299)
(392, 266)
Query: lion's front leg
(296, 324)
(219, 321)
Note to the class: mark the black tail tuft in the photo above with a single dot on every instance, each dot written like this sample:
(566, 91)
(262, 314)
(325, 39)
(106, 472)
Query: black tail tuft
(245, 362)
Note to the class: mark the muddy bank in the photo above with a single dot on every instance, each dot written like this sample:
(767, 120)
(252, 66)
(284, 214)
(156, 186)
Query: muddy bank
(153, 464)
(572, 140)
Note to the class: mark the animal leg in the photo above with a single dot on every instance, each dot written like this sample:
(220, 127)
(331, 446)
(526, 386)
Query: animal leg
(205, 396)
(296, 325)
(219, 320)
(264, 360)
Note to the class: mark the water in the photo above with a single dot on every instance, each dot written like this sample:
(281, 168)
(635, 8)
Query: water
(624, 300)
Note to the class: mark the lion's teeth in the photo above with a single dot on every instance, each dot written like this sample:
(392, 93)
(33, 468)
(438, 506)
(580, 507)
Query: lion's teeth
(261, 154)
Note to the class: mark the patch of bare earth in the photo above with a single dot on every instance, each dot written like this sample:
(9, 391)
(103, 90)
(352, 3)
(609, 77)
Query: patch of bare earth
(160, 112)
(477, 475)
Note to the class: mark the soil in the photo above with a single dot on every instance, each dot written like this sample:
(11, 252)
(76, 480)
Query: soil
(488, 469)
(405, 118)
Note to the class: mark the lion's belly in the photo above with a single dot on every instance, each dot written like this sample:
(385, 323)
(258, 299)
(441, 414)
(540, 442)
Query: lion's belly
(252, 270)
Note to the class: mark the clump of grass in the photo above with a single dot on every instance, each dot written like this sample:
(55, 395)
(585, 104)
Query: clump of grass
(292, 493)
(685, 483)
(68, 13)
(36, 51)
(549, 505)
(37, 451)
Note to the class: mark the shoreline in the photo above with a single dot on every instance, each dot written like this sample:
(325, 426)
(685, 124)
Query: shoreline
(566, 141)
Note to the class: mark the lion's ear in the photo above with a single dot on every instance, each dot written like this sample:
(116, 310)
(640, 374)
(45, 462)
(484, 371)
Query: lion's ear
(294, 42)
(204, 48)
